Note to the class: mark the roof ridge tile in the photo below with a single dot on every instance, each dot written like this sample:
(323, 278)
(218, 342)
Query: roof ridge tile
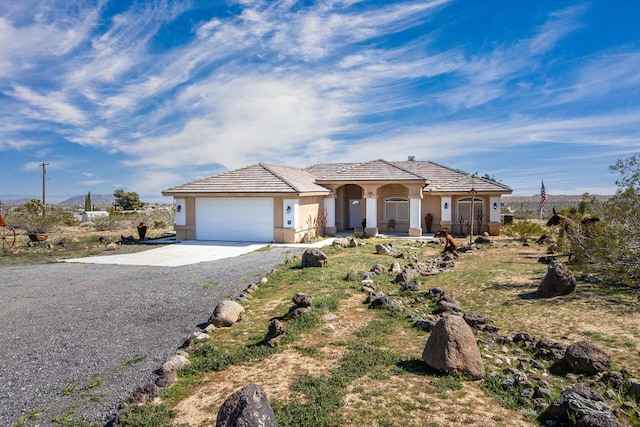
(281, 178)
(404, 170)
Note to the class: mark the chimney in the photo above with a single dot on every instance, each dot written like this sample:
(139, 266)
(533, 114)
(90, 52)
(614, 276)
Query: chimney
(412, 158)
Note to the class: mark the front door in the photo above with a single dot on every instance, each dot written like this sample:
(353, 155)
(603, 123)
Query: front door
(355, 213)
(464, 215)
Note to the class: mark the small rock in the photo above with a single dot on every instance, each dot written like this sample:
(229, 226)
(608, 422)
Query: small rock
(340, 242)
(295, 312)
(445, 306)
(275, 333)
(383, 249)
(175, 362)
(585, 358)
(412, 286)
(395, 267)
(302, 300)
(200, 336)
(474, 319)
(145, 394)
(167, 378)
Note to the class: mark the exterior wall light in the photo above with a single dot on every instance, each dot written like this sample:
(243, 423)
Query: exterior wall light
(178, 208)
(446, 205)
(288, 209)
(495, 206)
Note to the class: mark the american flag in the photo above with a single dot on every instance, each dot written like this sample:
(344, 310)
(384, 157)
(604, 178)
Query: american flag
(543, 196)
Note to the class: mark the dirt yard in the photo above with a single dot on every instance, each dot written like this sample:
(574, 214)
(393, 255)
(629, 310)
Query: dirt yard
(496, 281)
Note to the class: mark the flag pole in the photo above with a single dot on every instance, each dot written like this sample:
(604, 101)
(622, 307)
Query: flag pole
(543, 198)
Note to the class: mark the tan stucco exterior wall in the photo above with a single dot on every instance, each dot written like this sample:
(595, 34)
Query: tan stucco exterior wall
(309, 208)
(188, 231)
(308, 211)
(431, 205)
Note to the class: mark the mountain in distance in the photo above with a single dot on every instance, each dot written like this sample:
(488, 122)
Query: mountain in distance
(96, 199)
(532, 203)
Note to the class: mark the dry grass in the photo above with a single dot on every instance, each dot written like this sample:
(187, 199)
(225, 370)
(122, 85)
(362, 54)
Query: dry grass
(494, 281)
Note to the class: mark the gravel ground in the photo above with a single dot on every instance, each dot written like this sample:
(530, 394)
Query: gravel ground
(77, 339)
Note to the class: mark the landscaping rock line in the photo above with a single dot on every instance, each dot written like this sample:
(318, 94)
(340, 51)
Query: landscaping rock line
(77, 339)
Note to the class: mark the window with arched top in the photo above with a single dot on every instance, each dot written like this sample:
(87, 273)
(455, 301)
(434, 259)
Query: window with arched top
(396, 208)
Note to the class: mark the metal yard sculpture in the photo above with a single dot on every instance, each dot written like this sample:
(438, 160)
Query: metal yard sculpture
(7, 233)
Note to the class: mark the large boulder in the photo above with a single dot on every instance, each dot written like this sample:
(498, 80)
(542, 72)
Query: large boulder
(226, 314)
(313, 257)
(559, 280)
(585, 358)
(452, 347)
(247, 407)
(581, 406)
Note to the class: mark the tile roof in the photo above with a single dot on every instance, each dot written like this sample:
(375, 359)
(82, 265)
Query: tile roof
(376, 170)
(446, 179)
(263, 178)
(259, 178)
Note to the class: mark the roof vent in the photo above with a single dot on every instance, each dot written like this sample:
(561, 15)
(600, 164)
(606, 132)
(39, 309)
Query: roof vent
(412, 158)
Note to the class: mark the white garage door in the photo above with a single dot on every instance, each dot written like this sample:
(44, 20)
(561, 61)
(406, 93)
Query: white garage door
(234, 219)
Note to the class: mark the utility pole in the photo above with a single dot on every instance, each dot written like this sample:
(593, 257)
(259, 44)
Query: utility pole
(44, 172)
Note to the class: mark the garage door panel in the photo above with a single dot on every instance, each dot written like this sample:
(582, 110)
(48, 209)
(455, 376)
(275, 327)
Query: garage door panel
(234, 219)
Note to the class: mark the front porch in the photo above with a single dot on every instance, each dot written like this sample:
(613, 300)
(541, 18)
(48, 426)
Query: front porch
(403, 209)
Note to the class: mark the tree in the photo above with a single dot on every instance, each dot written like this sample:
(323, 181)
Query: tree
(129, 201)
(87, 202)
(612, 245)
(630, 171)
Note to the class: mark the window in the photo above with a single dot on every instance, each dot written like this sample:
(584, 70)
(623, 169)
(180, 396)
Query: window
(396, 208)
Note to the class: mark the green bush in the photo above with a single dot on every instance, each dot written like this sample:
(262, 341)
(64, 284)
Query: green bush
(523, 230)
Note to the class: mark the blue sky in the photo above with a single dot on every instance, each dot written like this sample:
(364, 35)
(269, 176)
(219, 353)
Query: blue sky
(150, 94)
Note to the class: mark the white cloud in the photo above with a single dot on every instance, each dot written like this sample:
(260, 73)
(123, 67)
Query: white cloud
(248, 118)
(53, 106)
(602, 76)
(50, 35)
(559, 25)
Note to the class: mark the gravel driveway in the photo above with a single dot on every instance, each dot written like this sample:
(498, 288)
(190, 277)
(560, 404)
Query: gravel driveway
(77, 339)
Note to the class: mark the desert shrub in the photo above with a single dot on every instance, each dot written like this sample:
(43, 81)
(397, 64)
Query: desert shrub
(611, 246)
(523, 230)
(156, 218)
(107, 223)
(159, 223)
(29, 217)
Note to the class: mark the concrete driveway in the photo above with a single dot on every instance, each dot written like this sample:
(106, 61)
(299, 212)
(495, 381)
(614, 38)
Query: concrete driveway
(188, 252)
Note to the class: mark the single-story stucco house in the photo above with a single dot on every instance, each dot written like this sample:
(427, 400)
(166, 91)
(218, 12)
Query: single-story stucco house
(266, 203)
